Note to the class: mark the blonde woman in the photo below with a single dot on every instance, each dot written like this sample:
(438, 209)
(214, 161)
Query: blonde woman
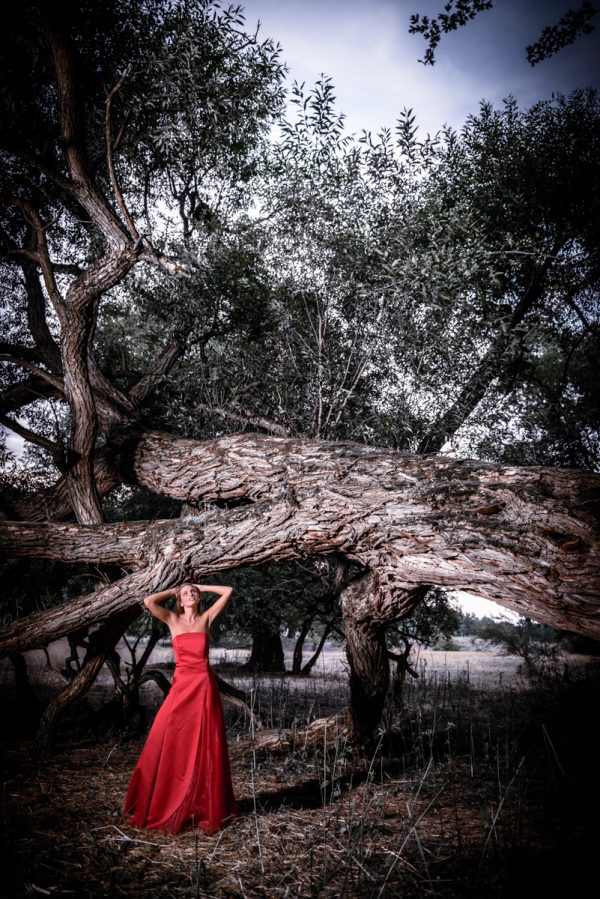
(182, 777)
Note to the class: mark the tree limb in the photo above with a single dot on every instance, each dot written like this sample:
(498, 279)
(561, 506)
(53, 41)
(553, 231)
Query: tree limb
(527, 538)
(83, 187)
(41, 251)
(489, 368)
(54, 449)
(110, 157)
(244, 418)
(150, 380)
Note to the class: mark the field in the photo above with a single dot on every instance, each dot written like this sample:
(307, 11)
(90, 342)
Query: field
(482, 784)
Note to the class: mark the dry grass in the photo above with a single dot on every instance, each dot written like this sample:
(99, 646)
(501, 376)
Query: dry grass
(469, 793)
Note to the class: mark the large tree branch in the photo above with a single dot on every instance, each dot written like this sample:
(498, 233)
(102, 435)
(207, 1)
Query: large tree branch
(64, 268)
(55, 451)
(39, 629)
(524, 537)
(28, 391)
(41, 251)
(107, 544)
(56, 383)
(490, 367)
(14, 352)
(110, 154)
(36, 318)
(151, 379)
(102, 276)
(84, 188)
(244, 418)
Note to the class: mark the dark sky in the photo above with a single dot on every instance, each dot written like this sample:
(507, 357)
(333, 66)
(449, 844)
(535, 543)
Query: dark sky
(365, 47)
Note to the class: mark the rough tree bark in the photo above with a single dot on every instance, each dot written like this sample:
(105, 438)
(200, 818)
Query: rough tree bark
(524, 537)
(367, 612)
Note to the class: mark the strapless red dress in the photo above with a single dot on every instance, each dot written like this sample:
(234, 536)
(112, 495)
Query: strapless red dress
(182, 776)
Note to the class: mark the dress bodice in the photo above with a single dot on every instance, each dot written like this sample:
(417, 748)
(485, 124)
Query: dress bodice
(191, 650)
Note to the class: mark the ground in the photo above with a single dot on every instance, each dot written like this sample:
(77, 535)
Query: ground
(480, 785)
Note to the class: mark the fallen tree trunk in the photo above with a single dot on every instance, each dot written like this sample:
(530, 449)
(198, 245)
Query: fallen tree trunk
(526, 538)
(37, 630)
(322, 732)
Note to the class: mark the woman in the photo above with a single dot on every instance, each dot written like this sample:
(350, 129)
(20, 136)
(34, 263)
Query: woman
(183, 775)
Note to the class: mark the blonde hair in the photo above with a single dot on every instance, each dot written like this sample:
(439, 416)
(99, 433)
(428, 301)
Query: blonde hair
(178, 606)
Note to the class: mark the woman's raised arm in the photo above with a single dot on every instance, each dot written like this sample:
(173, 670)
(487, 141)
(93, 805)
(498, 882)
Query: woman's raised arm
(224, 593)
(153, 604)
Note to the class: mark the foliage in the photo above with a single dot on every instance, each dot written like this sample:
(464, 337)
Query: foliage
(433, 620)
(380, 277)
(472, 626)
(536, 644)
(277, 598)
(192, 97)
(570, 26)
(458, 13)
(447, 21)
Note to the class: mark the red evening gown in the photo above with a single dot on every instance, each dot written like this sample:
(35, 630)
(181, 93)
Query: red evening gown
(182, 776)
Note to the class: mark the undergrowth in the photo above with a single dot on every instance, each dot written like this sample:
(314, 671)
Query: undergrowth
(466, 793)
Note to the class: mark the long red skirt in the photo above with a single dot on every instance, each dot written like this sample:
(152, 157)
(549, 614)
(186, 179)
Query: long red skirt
(182, 776)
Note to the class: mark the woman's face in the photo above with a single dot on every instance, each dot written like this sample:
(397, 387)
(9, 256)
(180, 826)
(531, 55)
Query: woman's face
(189, 596)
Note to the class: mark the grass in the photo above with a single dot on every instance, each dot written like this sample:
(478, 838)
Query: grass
(469, 793)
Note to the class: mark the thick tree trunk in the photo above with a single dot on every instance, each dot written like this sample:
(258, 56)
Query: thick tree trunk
(267, 651)
(366, 649)
(525, 537)
(369, 679)
(30, 707)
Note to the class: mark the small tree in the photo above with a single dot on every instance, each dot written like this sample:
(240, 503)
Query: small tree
(538, 645)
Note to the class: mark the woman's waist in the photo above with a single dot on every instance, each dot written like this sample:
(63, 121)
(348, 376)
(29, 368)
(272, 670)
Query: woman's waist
(192, 665)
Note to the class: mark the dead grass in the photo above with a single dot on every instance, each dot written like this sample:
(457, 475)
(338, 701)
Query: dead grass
(469, 793)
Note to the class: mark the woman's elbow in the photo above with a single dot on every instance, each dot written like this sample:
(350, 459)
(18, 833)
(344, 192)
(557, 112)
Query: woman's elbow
(147, 601)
